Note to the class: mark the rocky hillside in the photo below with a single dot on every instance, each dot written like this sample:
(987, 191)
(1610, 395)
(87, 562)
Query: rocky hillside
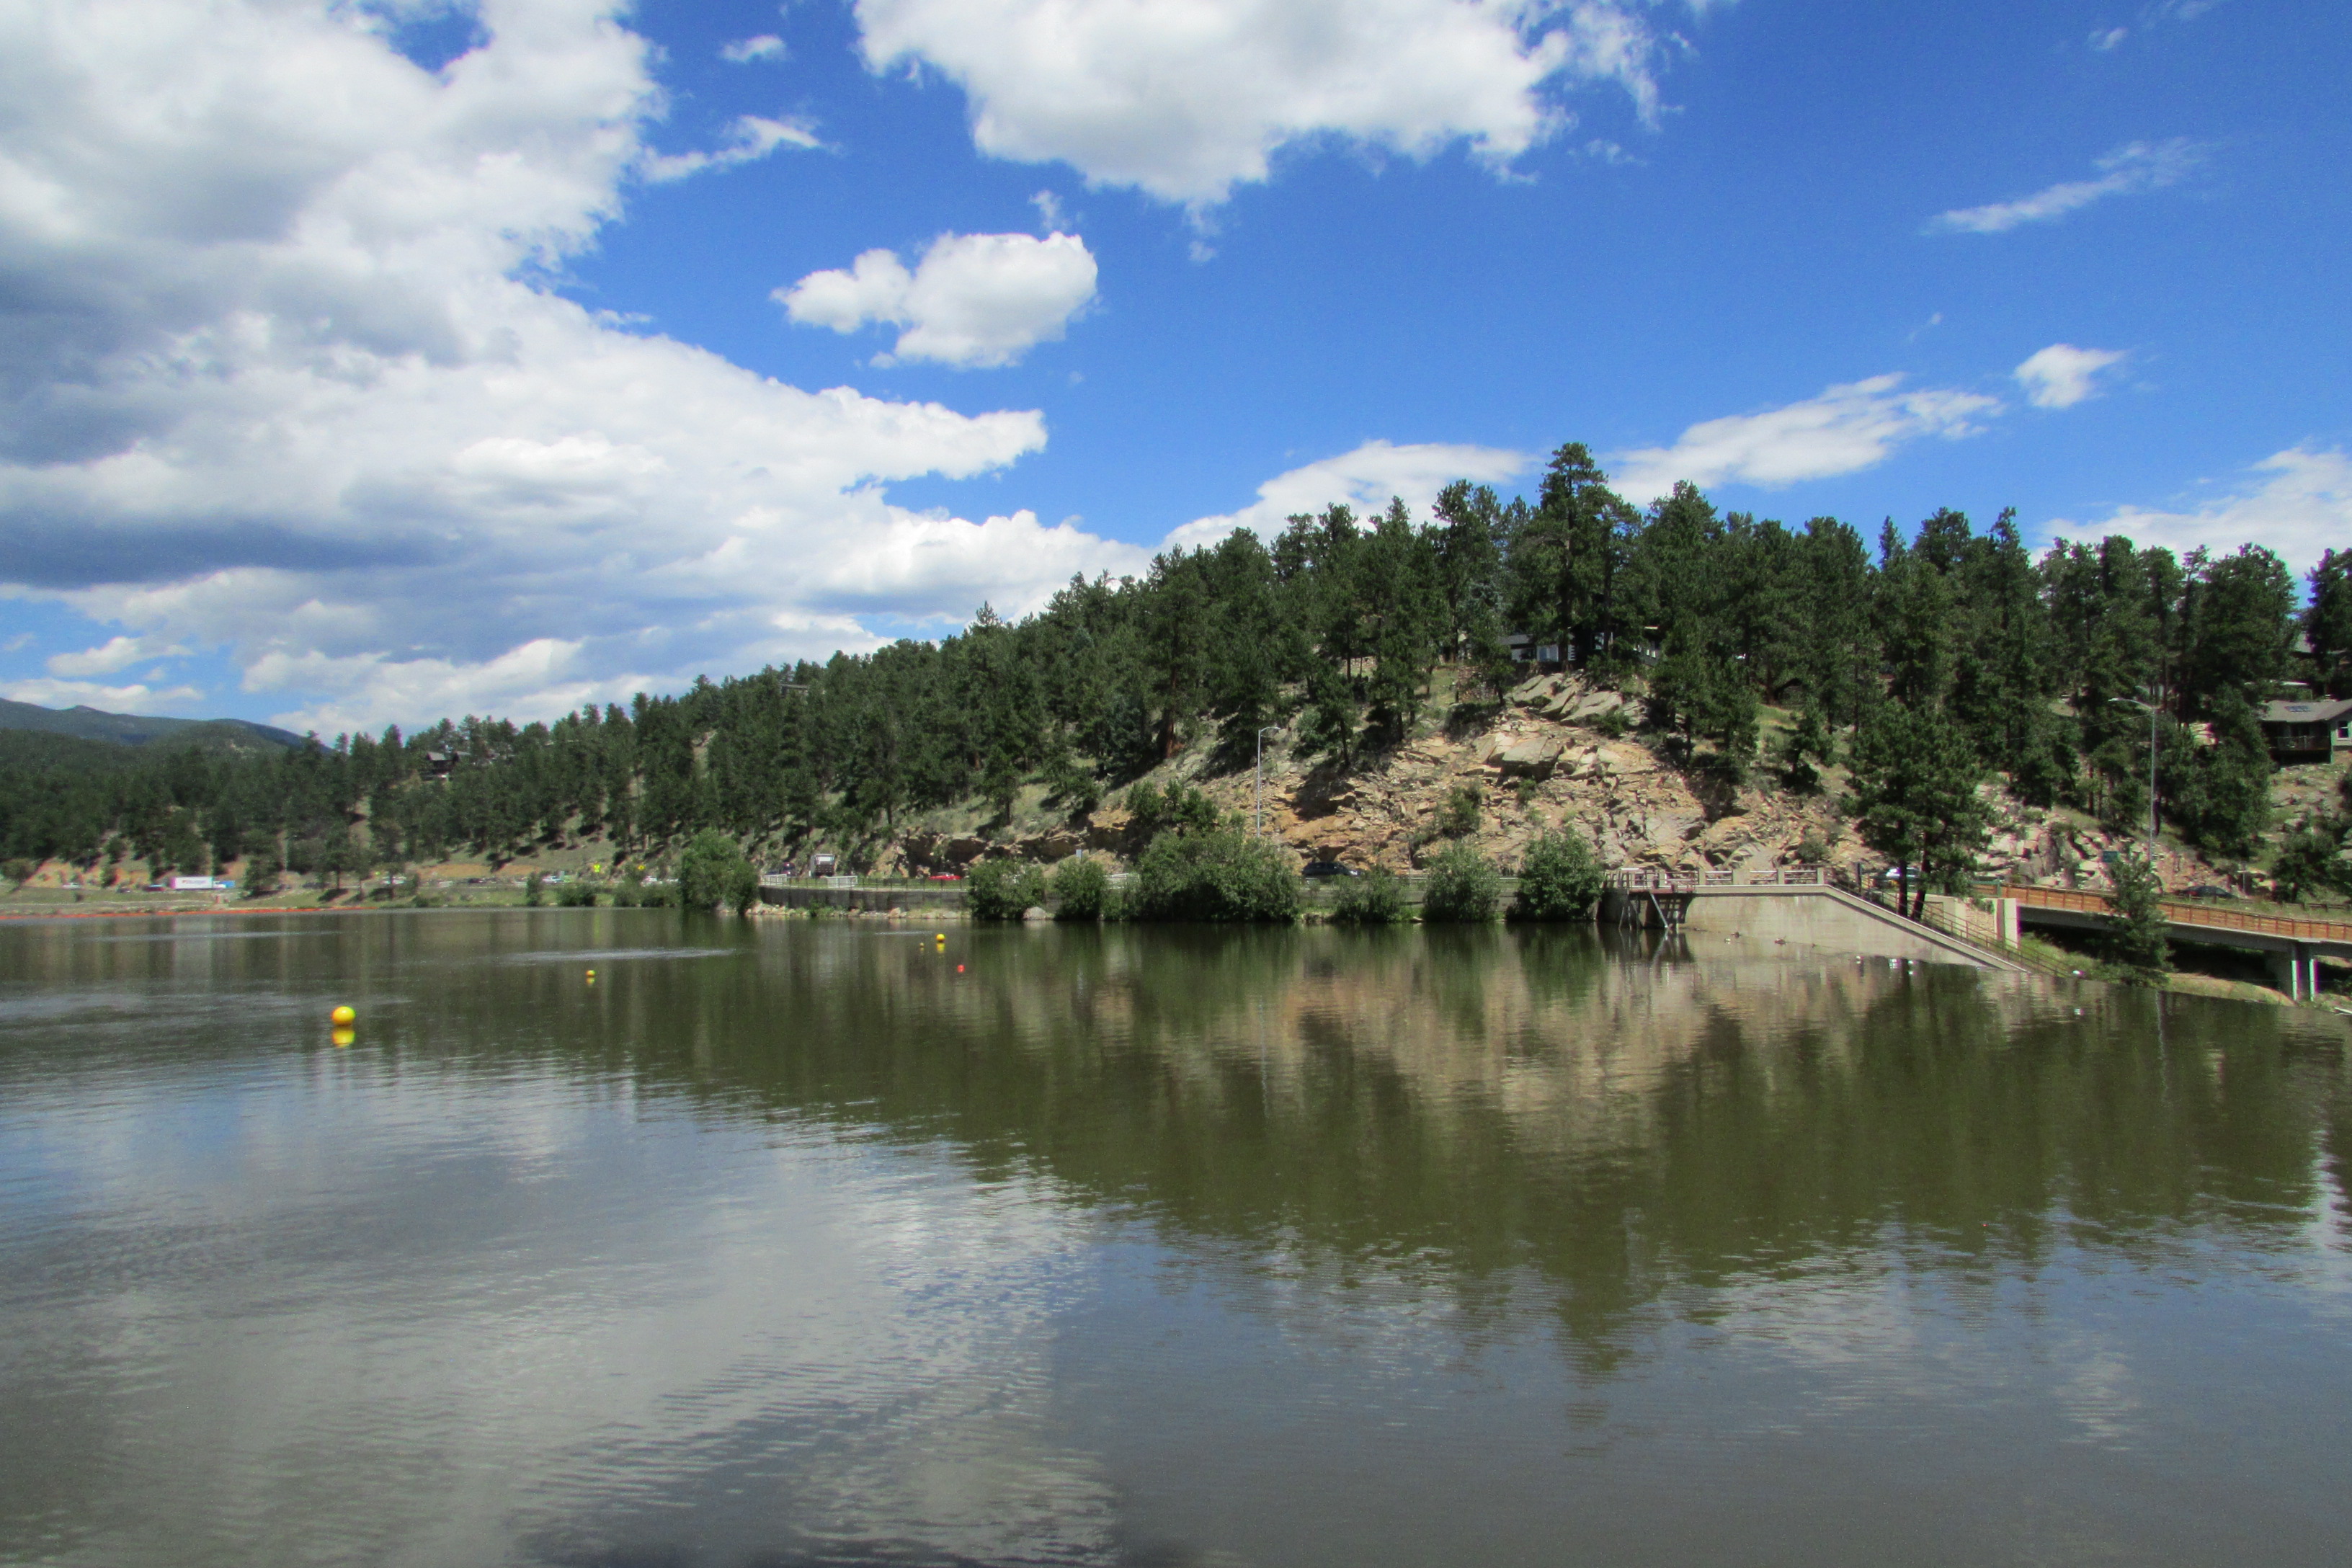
(1556, 754)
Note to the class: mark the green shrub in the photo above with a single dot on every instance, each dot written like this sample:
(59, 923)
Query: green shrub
(1183, 809)
(576, 893)
(1374, 899)
(1220, 875)
(713, 872)
(1461, 887)
(1001, 889)
(1458, 817)
(1081, 890)
(1561, 879)
(534, 889)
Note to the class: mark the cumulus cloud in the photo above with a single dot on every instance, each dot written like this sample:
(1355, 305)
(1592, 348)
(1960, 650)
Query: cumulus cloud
(2297, 503)
(743, 51)
(2062, 376)
(114, 654)
(2135, 166)
(1187, 101)
(279, 375)
(974, 299)
(1845, 429)
(1365, 478)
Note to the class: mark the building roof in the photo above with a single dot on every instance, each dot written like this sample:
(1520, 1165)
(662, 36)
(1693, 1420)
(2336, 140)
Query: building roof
(2305, 713)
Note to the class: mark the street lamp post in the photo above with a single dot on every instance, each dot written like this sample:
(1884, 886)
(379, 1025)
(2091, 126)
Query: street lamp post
(1258, 786)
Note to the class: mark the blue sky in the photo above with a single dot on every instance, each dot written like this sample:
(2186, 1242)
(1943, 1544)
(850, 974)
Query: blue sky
(370, 364)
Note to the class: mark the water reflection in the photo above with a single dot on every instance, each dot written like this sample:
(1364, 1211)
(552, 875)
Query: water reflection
(1155, 1246)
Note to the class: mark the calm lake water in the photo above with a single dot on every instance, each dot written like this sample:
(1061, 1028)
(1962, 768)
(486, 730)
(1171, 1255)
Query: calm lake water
(785, 1243)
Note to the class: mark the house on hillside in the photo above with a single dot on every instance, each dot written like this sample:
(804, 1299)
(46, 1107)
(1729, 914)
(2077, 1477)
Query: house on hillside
(1525, 649)
(2316, 731)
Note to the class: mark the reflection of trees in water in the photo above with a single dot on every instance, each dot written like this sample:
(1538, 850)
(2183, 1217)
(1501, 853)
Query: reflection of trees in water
(1474, 1105)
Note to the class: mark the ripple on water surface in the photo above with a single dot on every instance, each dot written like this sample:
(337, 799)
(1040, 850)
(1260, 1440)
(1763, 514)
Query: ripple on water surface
(1047, 1246)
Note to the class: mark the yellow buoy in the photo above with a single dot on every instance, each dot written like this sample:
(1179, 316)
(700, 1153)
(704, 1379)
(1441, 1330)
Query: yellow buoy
(344, 1017)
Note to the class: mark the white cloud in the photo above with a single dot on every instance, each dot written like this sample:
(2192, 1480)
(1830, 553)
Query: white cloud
(137, 697)
(749, 139)
(1845, 429)
(114, 654)
(1365, 478)
(2062, 376)
(945, 566)
(2303, 507)
(2136, 166)
(279, 378)
(1185, 101)
(742, 51)
(2107, 38)
(974, 300)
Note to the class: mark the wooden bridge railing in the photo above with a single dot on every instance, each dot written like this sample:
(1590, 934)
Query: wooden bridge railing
(2190, 913)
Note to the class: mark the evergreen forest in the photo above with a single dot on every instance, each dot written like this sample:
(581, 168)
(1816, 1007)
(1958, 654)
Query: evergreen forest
(1924, 661)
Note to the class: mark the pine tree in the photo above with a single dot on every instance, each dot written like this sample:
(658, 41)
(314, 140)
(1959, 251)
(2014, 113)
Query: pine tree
(1329, 727)
(2328, 623)
(1916, 799)
(2136, 932)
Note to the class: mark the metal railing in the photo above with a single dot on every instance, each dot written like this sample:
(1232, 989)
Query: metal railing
(1645, 880)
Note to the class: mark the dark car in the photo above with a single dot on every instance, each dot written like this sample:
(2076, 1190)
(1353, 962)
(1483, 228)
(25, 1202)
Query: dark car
(2209, 890)
(1328, 868)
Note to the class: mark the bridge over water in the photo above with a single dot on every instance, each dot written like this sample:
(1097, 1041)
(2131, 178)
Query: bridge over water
(2294, 944)
(1979, 929)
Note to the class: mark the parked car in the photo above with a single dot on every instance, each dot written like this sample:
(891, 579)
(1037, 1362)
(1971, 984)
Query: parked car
(2209, 890)
(945, 876)
(1328, 868)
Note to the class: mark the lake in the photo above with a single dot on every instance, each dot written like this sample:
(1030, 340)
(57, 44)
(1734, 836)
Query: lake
(811, 1243)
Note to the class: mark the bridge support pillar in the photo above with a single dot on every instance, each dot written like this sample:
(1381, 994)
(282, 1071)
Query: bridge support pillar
(2295, 971)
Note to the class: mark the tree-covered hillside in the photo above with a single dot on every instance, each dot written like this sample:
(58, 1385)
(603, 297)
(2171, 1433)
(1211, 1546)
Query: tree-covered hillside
(1922, 661)
(139, 730)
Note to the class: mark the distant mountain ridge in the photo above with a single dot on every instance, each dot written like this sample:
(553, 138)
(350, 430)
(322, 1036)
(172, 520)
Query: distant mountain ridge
(138, 730)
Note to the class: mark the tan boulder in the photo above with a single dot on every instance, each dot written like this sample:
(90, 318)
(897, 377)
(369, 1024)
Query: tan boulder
(1534, 757)
(1622, 759)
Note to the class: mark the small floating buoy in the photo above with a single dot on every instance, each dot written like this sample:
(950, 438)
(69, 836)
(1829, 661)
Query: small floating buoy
(343, 1017)
(592, 975)
(959, 969)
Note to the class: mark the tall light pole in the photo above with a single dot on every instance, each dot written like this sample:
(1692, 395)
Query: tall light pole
(1258, 786)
